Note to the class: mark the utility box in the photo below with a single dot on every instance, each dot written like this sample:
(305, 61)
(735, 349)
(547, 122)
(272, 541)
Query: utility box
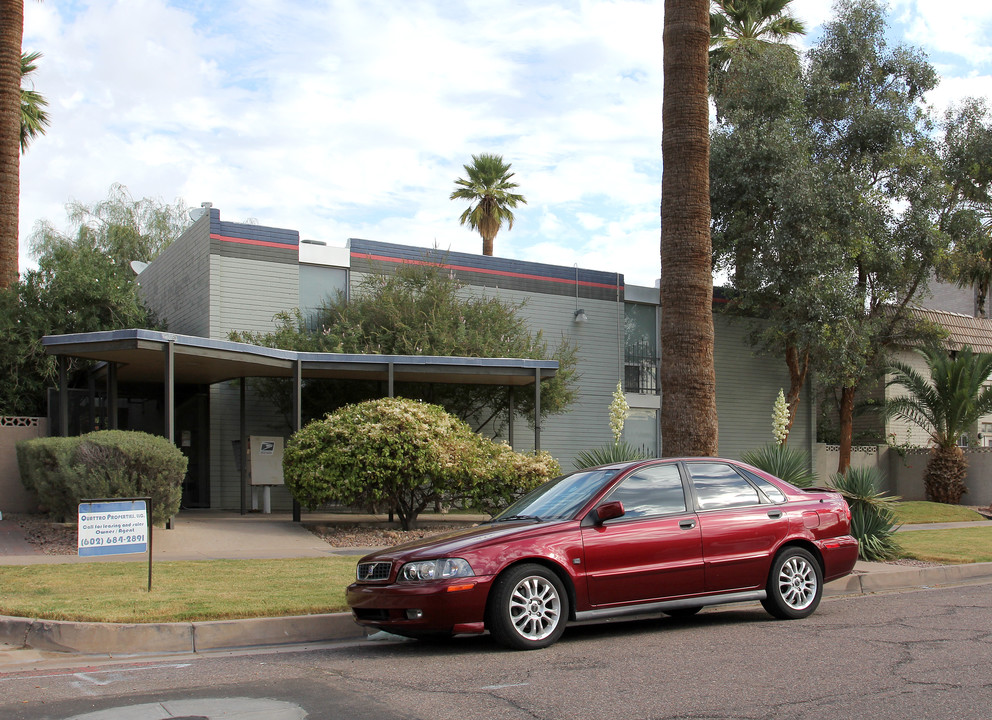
(264, 468)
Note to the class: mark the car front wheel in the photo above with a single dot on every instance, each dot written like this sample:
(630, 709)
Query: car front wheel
(528, 608)
(795, 585)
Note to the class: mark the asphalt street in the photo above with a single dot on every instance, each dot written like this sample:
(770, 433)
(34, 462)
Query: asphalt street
(891, 656)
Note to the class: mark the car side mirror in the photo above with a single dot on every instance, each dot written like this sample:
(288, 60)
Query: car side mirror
(608, 511)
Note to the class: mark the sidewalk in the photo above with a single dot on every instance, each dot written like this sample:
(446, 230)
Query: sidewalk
(202, 535)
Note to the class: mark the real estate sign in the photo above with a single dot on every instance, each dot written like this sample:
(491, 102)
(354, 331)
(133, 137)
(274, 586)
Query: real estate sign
(113, 527)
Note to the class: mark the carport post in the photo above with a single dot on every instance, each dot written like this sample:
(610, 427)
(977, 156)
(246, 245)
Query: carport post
(112, 423)
(297, 416)
(63, 396)
(509, 422)
(390, 375)
(243, 448)
(537, 409)
(170, 390)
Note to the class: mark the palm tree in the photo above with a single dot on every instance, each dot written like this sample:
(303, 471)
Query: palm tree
(11, 32)
(488, 186)
(737, 23)
(946, 405)
(688, 380)
(34, 119)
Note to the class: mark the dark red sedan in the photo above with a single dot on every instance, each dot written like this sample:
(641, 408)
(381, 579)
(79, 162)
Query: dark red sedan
(667, 536)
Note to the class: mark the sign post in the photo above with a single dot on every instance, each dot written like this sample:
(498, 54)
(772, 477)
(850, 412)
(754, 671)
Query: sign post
(116, 526)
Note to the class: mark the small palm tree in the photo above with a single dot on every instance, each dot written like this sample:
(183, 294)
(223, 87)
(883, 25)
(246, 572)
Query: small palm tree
(735, 23)
(946, 405)
(34, 118)
(488, 186)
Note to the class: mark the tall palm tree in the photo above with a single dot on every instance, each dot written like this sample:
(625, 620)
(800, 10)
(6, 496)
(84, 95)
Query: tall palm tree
(488, 186)
(34, 118)
(735, 23)
(688, 380)
(946, 405)
(11, 33)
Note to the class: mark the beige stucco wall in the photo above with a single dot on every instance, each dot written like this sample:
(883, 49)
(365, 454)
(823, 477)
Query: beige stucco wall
(13, 496)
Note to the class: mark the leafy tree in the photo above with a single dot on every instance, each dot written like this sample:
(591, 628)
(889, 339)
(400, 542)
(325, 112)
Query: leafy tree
(34, 118)
(11, 33)
(966, 153)
(488, 186)
(419, 310)
(771, 221)
(872, 134)
(946, 404)
(83, 283)
(688, 378)
(405, 455)
(747, 25)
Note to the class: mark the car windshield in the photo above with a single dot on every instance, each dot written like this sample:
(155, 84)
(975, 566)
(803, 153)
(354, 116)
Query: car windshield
(559, 498)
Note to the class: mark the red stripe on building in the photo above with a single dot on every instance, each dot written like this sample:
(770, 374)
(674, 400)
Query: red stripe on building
(246, 241)
(465, 268)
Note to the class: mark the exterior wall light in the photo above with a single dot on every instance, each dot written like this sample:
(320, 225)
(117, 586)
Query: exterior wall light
(580, 316)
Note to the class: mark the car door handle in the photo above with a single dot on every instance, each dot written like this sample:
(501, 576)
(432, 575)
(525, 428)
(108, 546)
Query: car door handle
(687, 524)
(774, 514)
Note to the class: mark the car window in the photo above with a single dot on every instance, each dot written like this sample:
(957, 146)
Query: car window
(561, 497)
(655, 490)
(769, 489)
(719, 486)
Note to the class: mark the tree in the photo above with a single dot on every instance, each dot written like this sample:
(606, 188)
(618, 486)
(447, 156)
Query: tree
(769, 199)
(419, 310)
(688, 379)
(406, 455)
(966, 153)
(34, 118)
(488, 186)
(872, 135)
(752, 24)
(11, 33)
(946, 404)
(83, 283)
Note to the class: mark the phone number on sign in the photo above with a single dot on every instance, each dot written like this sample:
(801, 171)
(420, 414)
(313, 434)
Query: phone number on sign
(112, 540)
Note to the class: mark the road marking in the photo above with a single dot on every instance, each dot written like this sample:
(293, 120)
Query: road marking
(89, 671)
(500, 687)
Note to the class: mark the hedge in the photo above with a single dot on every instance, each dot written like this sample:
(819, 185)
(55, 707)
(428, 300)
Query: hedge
(105, 464)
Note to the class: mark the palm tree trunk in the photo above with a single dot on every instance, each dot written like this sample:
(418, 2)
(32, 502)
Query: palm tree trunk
(11, 33)
(688, 380)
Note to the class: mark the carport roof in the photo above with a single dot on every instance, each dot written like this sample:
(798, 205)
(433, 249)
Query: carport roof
(140, 357)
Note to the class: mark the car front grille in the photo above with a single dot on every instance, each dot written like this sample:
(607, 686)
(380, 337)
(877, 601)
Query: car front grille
(373, 571)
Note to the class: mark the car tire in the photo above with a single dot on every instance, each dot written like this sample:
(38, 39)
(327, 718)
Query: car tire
(795, 585)
(528, 608)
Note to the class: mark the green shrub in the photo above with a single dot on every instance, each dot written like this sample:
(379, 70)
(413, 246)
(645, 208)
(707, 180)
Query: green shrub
(404, 455)
(783, 462)
(609, 454)
(873, 522)
(104, 464)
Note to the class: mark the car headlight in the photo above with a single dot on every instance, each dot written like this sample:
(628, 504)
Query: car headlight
(440, 569)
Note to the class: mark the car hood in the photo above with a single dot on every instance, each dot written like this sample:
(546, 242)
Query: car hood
(451, 544)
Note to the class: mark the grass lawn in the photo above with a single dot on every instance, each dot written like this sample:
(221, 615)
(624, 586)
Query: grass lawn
(181, 591)
(914, 512)
(959, 545)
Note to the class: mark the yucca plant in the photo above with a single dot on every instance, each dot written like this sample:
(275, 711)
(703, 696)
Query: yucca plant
(783, 462)
(873, 522)
(608, 454)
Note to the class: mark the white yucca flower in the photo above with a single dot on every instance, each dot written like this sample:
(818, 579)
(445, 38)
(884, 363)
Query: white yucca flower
(618, 413)
(780, 419)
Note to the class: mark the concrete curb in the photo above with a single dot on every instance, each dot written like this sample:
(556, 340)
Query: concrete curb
(87, 638)
(155, 638)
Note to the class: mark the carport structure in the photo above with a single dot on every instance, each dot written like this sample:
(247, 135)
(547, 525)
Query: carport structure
(152, 356)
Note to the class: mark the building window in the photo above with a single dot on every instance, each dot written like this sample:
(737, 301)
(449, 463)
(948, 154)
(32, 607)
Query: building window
(317, 285)
(640, 355)
(640, 430)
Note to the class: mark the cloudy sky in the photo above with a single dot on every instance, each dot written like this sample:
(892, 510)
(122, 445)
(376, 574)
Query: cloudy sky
(353, 118)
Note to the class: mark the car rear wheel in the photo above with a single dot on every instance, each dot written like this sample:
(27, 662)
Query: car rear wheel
(795, 585)
(528, 608)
